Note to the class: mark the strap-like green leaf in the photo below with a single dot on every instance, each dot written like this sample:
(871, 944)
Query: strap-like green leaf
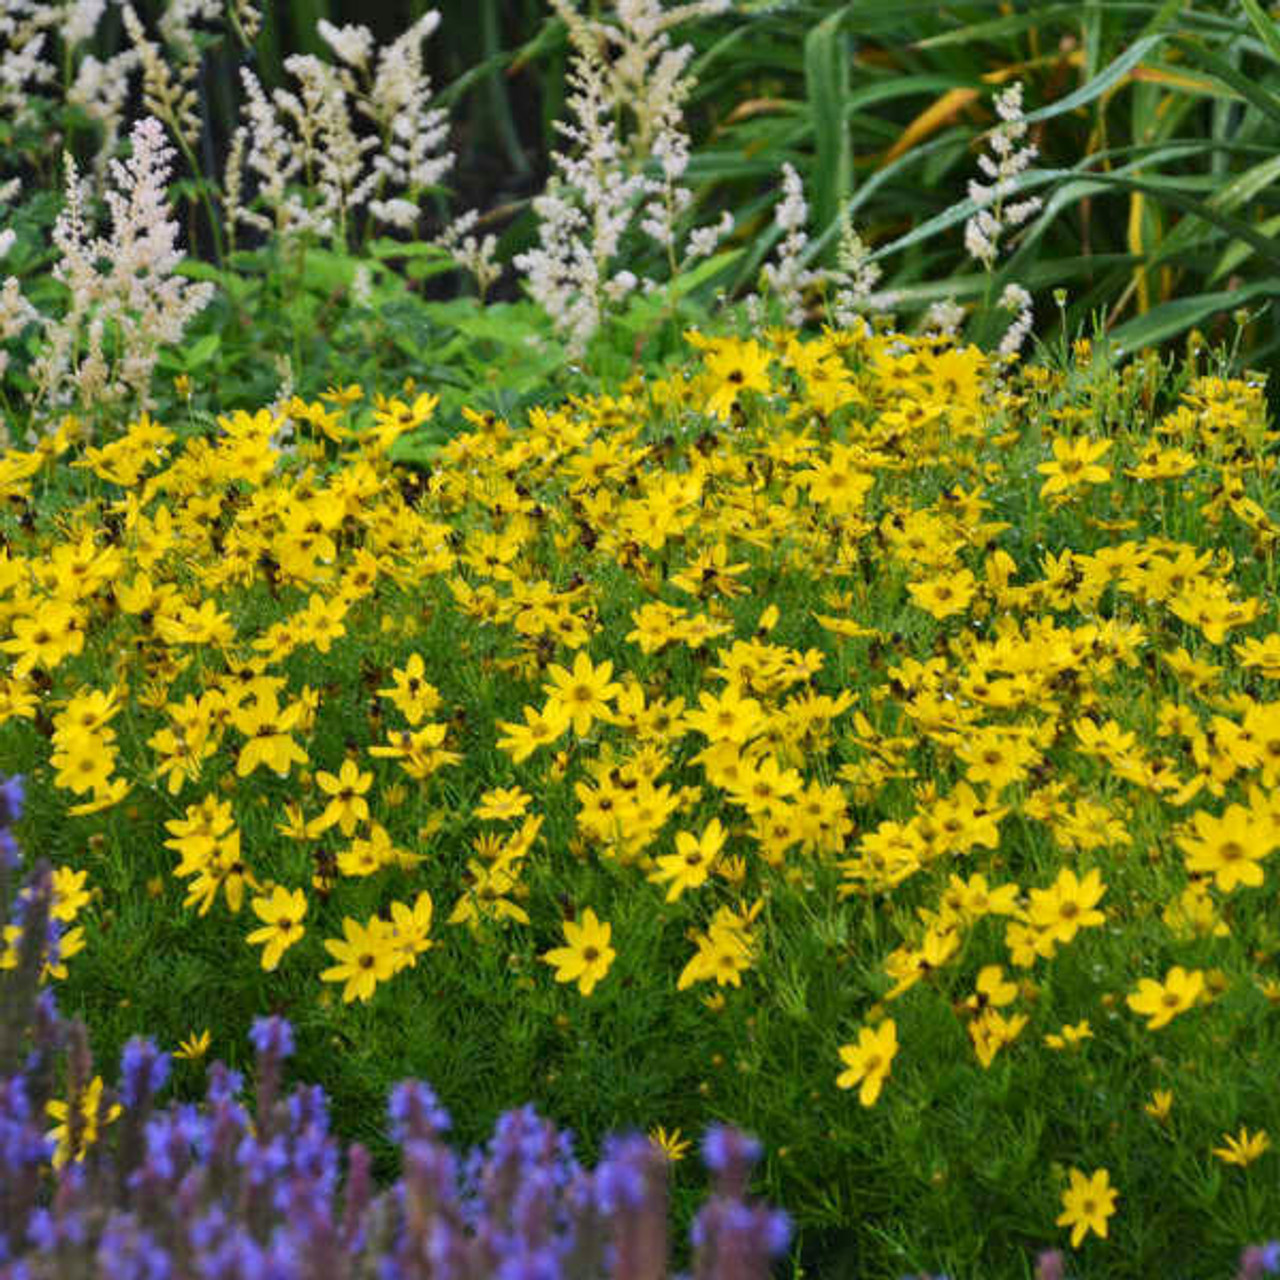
(826, 74)
(1264, 25)
(1172, 318)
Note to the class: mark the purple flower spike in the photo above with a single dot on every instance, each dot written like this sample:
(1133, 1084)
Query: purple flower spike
(272, 1037)
(144, 1070)
(415, 1112)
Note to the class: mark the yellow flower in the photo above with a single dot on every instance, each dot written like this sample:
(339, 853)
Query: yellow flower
(672, 1145)
(1162, 1002)
(737, 366)
(1087, 1204)
(1074, 462)
(587, 957)
(347, 806)
(693, 861)
(194, 1046)
(1160, 1105)
(869, 1061)
(1070, 1036)
(1244, 1148)
(281, 914)
(90, 1103)
(500, 803)
(365, 958)
(584, 693)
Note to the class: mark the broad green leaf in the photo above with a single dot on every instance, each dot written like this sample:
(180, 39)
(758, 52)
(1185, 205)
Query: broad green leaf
(689, 280)
(202, 350)
(998, 28)
(1236, 253)
(1247, 88)
(385, 247)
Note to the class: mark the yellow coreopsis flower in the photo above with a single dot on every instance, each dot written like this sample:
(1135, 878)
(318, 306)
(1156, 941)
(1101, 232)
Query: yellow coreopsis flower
(1075, 462)
(281, 914)
(347, 806)
(1087, 1205)
(1243, 1148)
(869, 1061)
(365, 957)
(1162, 1002)
(587, 955)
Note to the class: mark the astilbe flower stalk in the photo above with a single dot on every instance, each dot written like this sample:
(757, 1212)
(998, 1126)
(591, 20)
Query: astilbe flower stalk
(318, 131)
(125, 300)
(621, 169)
(207, 1191)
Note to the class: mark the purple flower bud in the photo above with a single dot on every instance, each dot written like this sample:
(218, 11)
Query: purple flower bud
(622, 1177)
(13, 794)
(309, 1109)
(1050, 1265)
(144, 1070)
(542, 1264)
(126, 1252)
(224, 1084)
(272, 1037)
(725, 1149)
(415, 1112)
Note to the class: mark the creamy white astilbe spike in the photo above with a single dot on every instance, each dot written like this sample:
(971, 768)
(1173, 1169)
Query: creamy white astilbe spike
(1005, 163)
(625, 152)
(124, 280)
(1016, 299)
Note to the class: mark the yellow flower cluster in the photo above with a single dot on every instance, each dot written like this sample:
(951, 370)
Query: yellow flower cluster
(801, 621)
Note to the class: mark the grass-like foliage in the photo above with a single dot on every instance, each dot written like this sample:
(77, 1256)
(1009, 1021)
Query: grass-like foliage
(852, 737)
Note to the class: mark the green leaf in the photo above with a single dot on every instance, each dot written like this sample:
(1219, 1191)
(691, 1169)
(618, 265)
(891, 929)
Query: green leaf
(1172, 318)
(1264, 25)
(202, 350)
(1236, 252)
(687, 281)
(1246, 87)
(1105, 79)
(826, 74)
(385, 247)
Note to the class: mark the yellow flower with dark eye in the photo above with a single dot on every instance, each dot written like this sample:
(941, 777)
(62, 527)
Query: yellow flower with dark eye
(281, 914)
(347, 806)
(869, 1061)
(946, 596)
(365, 956)
(584, 693)
(1162, 1002)
(587, 955)
(736, 366)
(1075, 462)
(693, 861)
(1087, 1204)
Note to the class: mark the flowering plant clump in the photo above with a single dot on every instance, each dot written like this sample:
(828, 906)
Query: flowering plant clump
(836, 701)
(121, 1186)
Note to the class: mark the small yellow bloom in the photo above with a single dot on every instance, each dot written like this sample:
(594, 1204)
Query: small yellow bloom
(673, 1145)
(194, 1046)
(869, 1061)
(1160, 1105)
(1087, 1204)
(587, 957)
(1243, 1148)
